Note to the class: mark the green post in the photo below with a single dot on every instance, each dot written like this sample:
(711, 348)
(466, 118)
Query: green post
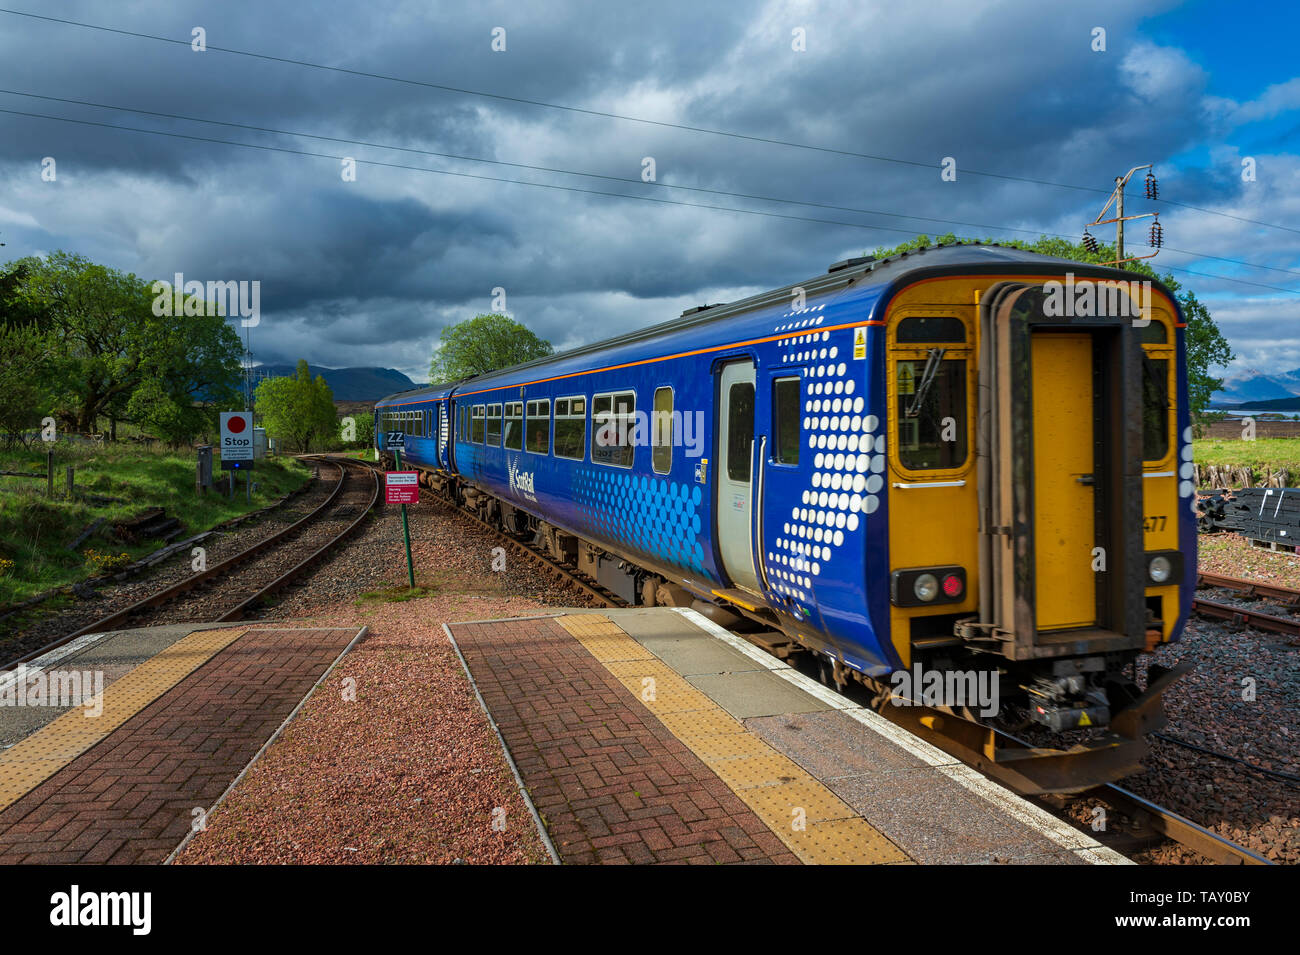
(406, 530)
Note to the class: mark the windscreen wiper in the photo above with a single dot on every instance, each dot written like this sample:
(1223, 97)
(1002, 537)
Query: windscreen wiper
(927, 379)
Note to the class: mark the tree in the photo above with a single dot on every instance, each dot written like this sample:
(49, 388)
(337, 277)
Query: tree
(25, 381)
(484, 343)
(1205, 344)
(188, 371)
(297, 410)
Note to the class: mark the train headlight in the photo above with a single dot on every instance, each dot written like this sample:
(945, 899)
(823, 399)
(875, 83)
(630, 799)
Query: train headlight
(1160, 569)
(926, 587)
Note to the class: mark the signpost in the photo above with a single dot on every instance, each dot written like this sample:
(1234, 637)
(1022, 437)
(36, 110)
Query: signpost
(236, 439)
(403, 487)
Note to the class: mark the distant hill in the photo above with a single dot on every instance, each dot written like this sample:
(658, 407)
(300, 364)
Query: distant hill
(1251, 387)
(1274, 404)
(348, 384)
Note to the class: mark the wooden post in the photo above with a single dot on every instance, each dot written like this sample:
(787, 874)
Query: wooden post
(71, 480)
(49, 473)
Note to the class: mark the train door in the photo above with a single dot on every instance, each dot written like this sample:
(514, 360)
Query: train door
(1064, 478)
(1060, 476)
(734, 484)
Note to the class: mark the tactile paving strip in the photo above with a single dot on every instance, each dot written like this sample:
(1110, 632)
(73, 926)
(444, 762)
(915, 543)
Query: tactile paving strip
(818, 826)
(31, 761)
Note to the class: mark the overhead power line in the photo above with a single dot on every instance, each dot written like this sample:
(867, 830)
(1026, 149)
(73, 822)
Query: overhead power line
(593, 175)
(542, 185)
(605, 114)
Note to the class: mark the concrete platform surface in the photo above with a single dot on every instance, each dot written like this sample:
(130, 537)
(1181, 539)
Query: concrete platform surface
(652, 735)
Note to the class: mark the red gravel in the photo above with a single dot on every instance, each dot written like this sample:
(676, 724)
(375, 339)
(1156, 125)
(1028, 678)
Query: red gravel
(408, 772)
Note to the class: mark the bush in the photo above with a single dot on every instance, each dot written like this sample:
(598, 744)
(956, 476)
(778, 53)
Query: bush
(106, 563)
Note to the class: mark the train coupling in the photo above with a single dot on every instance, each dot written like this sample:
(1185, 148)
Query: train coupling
(1069, 698)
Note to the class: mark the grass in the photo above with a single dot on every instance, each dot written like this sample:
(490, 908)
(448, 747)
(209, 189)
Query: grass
(1260, 454)
(35, 532)
(393, 595)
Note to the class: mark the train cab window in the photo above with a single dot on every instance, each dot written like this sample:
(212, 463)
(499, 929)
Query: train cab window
(494, 425)
(740, 430)
(476, 425)
(1155, 408)
(921, 329)
(514, 433)
(613, 420)
(571, 428)
(661, 429)
(538, 426)
(931, 411)
(785, 420)
(1153, 334)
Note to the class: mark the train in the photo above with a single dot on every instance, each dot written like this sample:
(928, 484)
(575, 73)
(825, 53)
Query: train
(964, 459)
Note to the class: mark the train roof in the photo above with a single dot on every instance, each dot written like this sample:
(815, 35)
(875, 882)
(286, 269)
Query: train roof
(865, 272)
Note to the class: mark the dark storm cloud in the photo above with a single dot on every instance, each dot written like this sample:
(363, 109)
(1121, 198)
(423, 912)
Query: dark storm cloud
(368, 272)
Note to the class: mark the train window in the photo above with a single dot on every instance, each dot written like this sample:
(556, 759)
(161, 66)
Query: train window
(927, 329)
(785, 420)
(538, 426)
(571, 428)
(740, 430)
(494, 425)
(1155, 409)
(613, 419)
(931, 412)
(1153, 334)
(476, 425)
(514, 435)
(661, 428)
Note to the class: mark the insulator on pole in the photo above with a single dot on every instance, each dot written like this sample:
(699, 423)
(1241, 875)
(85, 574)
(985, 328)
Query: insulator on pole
(1089, 242)
(1153, 187)
(1157, 236)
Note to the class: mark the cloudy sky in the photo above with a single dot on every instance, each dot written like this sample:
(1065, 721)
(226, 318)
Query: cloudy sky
(367, 272)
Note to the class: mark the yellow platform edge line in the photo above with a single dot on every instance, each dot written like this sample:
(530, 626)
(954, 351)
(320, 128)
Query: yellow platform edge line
(36, 758)
(832, 833)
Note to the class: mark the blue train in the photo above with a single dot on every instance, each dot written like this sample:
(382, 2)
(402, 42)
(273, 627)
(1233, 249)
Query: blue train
(963, 457)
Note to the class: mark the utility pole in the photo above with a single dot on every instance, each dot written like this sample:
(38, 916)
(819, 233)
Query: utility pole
(1117, 200)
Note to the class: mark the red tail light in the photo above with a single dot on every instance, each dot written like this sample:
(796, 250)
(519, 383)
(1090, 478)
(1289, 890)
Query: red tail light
(952, 586)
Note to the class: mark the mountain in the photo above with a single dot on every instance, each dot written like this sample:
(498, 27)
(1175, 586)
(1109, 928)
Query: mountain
(1251, 387)
(348, 384)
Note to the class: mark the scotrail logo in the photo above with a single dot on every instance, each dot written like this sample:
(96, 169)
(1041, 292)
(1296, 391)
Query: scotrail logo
(521, 482)
(1092, 299)
(193, 298)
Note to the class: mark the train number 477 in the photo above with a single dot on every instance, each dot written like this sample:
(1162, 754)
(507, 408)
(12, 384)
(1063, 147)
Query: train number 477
(1152, 524)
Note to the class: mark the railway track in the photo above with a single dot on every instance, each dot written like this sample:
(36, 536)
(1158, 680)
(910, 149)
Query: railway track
(1244, 616)
(1163, 822)
(229, 590)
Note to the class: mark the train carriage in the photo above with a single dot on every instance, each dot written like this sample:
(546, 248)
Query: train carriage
(967, 457)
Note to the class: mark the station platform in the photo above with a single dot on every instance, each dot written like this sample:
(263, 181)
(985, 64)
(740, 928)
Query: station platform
(156, 724)
(651, 735)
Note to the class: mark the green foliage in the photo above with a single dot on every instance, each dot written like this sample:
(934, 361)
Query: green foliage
(298, 411)
(1206, 346)
(364, 433)
(110, 355)
(26, 373)
(35, 532)
(484, 343)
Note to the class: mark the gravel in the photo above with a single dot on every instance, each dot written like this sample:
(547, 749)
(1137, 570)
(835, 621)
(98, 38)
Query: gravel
(410, 771)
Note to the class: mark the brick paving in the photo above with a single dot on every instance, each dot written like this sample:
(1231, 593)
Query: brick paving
(130, 799)
(612, 784)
